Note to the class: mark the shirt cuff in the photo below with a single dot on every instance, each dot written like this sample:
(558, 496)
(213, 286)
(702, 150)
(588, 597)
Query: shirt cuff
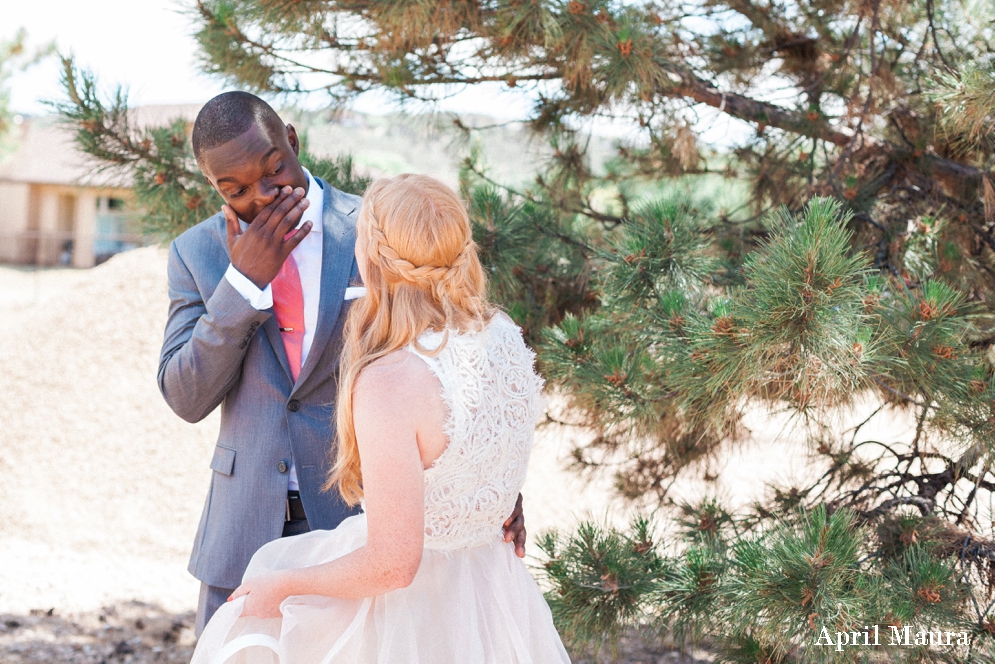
(259, 299)
(352, 292)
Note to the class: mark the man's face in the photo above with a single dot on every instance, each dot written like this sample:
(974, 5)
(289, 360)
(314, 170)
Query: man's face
(250, 170)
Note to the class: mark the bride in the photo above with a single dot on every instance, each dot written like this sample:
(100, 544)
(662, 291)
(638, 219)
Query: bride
(434, 443)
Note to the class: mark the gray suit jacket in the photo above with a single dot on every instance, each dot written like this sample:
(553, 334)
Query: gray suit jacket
(218, 350)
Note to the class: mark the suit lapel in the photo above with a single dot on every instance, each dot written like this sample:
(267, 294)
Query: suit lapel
(338, 246)
(272, 328)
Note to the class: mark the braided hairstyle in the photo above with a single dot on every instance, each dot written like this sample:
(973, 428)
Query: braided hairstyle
(421, 271)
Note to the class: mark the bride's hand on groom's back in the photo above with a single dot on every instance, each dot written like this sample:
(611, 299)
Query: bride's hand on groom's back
(263, 595)
(514, 528)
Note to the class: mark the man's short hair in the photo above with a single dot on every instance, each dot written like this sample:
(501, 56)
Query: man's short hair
(228, 116)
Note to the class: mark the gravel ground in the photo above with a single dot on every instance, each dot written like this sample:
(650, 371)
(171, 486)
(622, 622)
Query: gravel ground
(101, 485)
(127, 632)
(144, 634)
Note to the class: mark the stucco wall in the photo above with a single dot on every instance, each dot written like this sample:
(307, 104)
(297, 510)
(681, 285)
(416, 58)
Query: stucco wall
(15, 212)
(46, 224)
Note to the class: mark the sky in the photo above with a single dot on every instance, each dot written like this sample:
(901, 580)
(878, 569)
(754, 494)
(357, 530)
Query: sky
(147, 45)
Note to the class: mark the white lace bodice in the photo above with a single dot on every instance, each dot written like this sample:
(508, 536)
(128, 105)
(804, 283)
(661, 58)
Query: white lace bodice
(494, 399)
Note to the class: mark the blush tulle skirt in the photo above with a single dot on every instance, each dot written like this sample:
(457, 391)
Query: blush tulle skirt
(467, 606)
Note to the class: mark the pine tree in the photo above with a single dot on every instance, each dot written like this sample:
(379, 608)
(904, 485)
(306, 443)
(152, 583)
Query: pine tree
(15, 56)
(842, 252)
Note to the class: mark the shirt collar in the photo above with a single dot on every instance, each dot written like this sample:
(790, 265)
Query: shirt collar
(316, 196)
(314, 213)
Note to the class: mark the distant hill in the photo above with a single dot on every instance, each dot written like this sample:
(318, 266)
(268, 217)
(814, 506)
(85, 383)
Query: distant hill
(430, 144)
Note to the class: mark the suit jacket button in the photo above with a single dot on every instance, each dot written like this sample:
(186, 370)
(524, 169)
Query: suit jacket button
(294, 405)
(282, 466)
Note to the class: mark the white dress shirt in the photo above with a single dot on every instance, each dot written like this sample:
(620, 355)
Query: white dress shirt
(308, 257)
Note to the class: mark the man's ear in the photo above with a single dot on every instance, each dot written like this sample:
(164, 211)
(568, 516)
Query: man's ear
(295, 144)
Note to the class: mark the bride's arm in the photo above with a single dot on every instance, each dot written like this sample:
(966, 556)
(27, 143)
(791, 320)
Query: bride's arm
(389, 404)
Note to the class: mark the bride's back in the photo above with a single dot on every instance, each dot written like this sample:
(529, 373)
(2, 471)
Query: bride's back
(493, 399)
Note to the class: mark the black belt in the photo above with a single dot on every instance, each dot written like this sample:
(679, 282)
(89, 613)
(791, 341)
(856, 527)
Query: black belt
(295, 508)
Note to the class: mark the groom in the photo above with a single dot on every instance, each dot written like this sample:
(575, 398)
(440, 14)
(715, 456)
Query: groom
(258, 298)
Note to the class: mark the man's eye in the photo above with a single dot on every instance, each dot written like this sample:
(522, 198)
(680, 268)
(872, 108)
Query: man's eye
(279, 169)
(237, 193)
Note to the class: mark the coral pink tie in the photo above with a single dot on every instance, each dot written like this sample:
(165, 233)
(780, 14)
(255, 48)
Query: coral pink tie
(288, 305)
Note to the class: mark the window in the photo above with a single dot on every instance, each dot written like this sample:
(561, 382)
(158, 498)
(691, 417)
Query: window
(114, 229)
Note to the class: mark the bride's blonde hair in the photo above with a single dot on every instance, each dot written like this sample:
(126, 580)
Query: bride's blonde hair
(422, 273)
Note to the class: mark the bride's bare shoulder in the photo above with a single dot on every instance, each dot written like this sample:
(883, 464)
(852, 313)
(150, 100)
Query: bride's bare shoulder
(398, 375)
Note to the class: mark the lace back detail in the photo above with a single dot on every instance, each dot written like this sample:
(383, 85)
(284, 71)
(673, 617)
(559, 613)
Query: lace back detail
(494, 399)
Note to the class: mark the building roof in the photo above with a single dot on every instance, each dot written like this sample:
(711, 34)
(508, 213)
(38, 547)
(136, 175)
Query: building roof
(44, 151)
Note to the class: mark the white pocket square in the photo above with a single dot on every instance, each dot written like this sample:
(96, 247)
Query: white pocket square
(352, 292)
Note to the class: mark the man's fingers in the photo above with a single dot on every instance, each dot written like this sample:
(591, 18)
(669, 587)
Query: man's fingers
(291, 242)
(520, 543)
(515, 513)
(280, 212)
(231, 223)
(266, 213)
(512, 530)
(292, 217)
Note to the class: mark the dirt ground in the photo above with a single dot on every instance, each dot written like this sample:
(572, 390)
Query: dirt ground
(101, 485)
(142, 633)
(126, 632)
